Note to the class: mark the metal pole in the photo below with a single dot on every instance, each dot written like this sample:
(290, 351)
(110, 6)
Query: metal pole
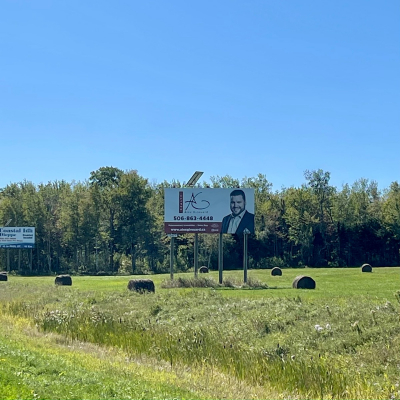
(196, 254)
(97, 263)
(171, 259)
(245, 258)
(8, 250)
(220, 258)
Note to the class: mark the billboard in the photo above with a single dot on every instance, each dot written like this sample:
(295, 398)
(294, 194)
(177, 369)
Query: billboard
(16, 237)
(205, 210)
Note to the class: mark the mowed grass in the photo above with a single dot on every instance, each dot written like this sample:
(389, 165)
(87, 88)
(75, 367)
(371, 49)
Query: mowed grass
(330, 282)
(340, 340)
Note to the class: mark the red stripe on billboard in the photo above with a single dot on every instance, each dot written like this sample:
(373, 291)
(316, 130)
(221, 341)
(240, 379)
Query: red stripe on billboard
(181, 202)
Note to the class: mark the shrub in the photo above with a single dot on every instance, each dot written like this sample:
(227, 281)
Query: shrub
(255, 284)
(267, 263)
(189, 283)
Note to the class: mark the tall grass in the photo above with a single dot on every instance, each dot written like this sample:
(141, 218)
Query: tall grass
(208, 282)
(35, 366)
(310, 348)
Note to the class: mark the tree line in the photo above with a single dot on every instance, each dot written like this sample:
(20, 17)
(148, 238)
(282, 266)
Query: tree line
(113, 223)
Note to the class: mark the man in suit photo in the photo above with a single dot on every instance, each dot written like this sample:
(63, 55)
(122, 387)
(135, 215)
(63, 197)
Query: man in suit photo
(240, 219)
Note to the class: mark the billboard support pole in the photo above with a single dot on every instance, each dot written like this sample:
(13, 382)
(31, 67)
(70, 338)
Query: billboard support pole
(220, 258)
(196, 254)
(171, 259)
(245, 257)
(8, 260)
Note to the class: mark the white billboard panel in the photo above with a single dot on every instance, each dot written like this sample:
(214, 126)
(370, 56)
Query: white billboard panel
(17, 237)
(205, 210)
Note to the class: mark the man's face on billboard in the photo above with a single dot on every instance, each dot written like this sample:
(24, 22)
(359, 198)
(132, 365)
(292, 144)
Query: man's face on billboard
(237, 204)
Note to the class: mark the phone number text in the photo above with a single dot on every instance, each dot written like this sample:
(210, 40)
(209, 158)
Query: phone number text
(192, 218)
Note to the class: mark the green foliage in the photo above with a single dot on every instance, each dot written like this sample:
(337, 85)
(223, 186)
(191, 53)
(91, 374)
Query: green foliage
(114, 223)
(268, 263)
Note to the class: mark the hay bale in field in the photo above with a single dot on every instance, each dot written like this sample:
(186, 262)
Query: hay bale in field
(276, 271)
(141, 285)
(303, 282)
(203, 270)
(366, 268)
(64, 280)
(3, 276)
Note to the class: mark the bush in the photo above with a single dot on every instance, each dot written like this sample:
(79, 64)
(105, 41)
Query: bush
(268, 263)
(189, 283)
(211, 283)
(255, 284)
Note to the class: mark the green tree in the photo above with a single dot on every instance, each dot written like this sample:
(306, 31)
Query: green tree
(324, 228)
(106, 181)
(135, 222)
(300, 220)
(391, 222)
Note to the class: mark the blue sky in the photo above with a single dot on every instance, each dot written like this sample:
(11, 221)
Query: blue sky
(225, 87)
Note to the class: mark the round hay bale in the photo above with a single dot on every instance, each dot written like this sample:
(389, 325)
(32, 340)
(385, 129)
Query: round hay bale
(276, 271)
(203, 270)
(64, 280)
(366, 268)
(3, 276)
(303, 282)
(141, 285)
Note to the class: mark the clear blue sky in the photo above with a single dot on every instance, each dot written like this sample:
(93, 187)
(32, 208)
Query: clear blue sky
(225, 87)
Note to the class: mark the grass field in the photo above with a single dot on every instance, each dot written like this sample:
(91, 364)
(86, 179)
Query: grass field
(96, 339)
